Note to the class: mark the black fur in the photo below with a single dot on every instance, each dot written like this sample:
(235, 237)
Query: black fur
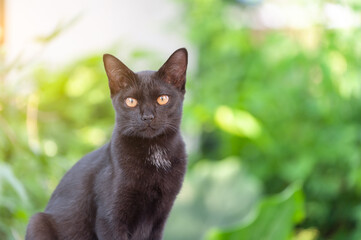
(125, 189)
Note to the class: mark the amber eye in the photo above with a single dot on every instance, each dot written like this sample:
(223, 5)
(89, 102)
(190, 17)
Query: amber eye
(131, 102)
(162, 100)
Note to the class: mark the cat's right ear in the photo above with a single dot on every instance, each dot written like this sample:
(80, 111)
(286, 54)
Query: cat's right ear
(174, 69)
(119, 75)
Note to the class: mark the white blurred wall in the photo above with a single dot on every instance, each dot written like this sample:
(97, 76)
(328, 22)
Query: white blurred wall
(101, 24)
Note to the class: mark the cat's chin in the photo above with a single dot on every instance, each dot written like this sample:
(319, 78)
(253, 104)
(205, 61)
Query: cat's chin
(148, 132)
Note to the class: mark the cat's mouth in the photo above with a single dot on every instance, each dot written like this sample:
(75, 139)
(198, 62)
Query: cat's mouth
(148, 128)
(149, 131)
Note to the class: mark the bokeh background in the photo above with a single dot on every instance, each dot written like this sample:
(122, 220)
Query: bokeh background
(272, 118)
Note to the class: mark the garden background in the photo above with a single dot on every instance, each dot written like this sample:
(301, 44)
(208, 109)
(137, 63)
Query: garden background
(272, 119)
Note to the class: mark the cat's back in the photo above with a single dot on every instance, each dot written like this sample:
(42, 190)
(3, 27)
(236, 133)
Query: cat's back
(77, 184)
(72, 205)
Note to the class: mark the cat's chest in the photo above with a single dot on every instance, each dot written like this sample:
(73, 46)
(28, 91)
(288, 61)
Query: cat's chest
(151, 167)
(159, 157)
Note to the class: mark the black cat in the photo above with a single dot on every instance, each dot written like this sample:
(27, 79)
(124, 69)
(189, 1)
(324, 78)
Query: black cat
(125, 189)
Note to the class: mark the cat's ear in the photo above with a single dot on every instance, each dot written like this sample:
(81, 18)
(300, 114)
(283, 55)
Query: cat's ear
(119, 75)
(174, 69)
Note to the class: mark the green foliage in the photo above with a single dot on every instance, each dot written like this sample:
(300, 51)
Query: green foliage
(13, 201)
(298, 93)
(214, 194)
(36, 145)
(286, 206)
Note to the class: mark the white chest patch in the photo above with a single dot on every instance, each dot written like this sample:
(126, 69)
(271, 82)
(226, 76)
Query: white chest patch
(158, 157)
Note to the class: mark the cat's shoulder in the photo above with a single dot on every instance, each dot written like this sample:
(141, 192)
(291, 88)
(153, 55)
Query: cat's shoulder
(95, 160)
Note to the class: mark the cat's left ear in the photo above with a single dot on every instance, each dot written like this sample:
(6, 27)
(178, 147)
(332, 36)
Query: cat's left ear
(174, 69)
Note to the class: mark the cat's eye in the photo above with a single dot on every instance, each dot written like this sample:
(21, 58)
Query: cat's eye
(131, 102)
(163, 99)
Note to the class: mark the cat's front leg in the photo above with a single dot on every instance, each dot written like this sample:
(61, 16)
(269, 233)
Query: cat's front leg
(157, 230)
(41, 227)
(109, 231)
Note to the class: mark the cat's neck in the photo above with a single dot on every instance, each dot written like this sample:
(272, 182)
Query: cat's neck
(136, 142)
(124, 147)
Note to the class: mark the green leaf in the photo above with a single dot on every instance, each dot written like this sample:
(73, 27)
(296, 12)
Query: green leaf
(237, 122)
(214, 194)
(7, 176)
(274, 220)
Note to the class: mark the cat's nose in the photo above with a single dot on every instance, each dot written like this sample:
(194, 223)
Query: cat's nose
(147, 117)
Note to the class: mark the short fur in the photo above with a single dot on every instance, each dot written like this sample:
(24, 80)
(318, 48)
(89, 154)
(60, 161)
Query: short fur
(125, 189)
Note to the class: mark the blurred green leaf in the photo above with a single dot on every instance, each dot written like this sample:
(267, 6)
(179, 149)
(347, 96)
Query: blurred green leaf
(274, 220)
(237, 122)
(7, 177)
(214, 194)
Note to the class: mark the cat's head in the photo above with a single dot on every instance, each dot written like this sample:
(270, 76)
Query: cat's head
(148, 103)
